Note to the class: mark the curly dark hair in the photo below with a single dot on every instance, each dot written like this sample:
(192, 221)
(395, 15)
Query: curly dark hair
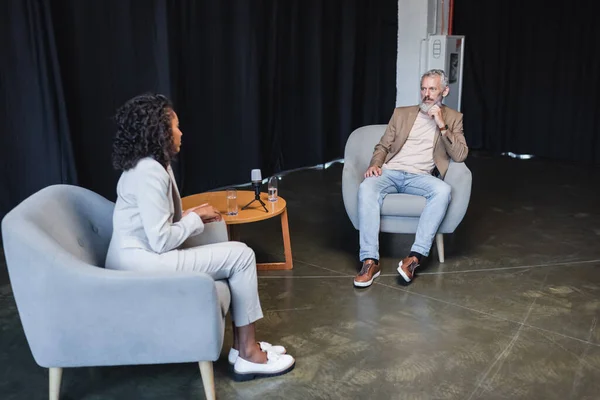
(143, 130)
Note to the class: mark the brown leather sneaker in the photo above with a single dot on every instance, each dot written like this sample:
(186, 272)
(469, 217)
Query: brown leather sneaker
(369, 271)
(407, 266)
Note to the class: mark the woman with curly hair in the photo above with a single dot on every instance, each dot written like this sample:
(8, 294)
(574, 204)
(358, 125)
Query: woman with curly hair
(150, 229)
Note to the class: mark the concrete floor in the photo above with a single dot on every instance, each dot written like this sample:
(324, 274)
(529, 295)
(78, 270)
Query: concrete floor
(513, 313)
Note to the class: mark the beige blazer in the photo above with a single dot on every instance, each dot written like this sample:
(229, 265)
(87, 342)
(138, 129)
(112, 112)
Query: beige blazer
(451, 146)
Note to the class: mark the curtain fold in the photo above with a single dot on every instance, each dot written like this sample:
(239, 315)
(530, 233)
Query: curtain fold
(35, 141)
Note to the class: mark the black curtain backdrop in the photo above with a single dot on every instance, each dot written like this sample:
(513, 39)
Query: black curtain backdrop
(532, 77)
(35, 140)
(275, 85)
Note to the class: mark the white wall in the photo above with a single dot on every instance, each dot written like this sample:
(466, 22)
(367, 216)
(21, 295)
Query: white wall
(416, 19)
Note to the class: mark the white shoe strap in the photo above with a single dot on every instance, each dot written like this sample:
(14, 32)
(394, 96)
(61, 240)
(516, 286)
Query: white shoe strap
(264, 346)
(272, 356)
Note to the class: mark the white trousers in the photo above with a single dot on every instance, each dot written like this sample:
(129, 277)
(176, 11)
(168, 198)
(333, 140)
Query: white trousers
(233, 261)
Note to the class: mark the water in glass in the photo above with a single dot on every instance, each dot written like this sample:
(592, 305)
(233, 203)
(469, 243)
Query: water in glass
(232, 205)
(272, 189)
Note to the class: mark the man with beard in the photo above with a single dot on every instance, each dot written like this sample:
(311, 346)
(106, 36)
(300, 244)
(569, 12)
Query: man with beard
(412, 157)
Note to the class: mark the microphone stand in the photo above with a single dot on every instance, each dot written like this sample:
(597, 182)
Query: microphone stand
(256, 197)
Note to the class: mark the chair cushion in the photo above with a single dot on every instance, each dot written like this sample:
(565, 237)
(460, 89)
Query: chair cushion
(402, 205)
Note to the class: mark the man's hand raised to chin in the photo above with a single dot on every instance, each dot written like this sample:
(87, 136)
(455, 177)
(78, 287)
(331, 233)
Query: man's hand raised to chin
(436, 113)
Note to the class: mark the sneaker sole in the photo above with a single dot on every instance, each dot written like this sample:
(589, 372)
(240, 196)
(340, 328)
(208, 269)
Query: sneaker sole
(403, 274)
(252, 375)
(367, 283)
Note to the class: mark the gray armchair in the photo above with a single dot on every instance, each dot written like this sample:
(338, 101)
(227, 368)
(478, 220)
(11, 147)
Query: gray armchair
(75, 313)
(400, 212)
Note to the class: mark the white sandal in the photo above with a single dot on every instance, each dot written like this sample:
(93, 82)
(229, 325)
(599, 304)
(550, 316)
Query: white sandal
(264, 346)
(277, 364)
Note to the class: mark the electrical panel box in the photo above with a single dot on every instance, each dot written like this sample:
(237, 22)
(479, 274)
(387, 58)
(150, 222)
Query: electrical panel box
(446, 52)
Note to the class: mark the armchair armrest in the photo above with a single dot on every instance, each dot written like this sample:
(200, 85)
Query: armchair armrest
(460, 179)
(214, 232)
(351, 180)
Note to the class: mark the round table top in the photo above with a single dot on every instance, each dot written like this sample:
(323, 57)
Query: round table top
(252, 214)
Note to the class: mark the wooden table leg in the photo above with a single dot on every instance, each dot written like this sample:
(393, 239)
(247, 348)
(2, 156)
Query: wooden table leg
(287, 244)
(287, 249)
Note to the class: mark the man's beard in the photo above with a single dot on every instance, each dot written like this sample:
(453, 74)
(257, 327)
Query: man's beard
(426, 107)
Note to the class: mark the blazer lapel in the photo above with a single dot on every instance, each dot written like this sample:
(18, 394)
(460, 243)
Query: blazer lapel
(175, 195)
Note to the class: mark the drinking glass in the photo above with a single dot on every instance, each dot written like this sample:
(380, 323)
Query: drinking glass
(232, 205)
(272, 188)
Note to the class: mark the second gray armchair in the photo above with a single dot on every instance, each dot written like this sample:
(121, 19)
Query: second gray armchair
(400, 212)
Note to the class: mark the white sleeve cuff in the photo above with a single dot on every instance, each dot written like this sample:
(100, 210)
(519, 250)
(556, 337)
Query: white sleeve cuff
(194, 222)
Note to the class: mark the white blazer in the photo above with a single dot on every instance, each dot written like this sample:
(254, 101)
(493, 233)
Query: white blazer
(147, 218)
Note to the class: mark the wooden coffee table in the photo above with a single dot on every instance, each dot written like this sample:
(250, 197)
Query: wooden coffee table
(255, 212)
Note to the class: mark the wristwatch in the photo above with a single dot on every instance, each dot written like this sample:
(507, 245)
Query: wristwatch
(445, 128)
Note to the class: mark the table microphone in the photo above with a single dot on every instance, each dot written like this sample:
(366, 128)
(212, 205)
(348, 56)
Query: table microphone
(256, 178)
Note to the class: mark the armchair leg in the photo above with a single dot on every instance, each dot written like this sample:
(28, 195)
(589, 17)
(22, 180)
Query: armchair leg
(55, 378)
(439, 241)
(208, 379)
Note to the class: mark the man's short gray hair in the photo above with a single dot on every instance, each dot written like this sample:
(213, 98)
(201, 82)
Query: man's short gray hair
(436, 72)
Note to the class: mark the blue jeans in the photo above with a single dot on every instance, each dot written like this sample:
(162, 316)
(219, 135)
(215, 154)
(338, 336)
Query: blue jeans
(373, 190)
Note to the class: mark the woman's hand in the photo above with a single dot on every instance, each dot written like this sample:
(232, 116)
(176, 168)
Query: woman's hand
(206, 212)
